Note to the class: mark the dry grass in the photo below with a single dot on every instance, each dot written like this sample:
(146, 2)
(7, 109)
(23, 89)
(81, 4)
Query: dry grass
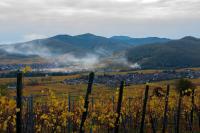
(55, 83)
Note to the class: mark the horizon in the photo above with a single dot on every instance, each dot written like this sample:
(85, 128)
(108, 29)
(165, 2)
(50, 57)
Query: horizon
(46, 37)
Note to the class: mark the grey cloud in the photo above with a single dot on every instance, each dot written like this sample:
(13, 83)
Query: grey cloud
(104, 7)
(104, 17)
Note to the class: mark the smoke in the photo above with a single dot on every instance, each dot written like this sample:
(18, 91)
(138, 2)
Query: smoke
(27, 49)
(122, 61)
(135, 66)
(102, 51)
(99, 58)
(89, 61)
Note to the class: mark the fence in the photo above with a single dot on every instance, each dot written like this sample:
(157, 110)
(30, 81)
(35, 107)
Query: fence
(97, 114)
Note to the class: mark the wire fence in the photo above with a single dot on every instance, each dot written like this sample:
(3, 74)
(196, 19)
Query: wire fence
(71, 113)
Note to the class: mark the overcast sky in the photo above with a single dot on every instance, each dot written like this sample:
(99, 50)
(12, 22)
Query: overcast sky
(22, 20)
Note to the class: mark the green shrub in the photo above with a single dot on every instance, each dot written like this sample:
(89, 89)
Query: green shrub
(185, 86)
(3, 90)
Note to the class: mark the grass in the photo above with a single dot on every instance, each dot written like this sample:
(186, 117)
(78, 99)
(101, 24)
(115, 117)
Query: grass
(55, 83)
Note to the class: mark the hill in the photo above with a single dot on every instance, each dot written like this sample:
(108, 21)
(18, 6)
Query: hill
(73, 48)
(176, 53)
(79, 45)
(13, 58)
(139, 41)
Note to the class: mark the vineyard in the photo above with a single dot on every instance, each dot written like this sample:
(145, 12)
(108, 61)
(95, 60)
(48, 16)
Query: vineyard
(148, 110)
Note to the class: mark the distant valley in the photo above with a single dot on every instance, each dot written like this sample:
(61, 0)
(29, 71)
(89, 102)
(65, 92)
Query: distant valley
(89, 51)
(83, 51)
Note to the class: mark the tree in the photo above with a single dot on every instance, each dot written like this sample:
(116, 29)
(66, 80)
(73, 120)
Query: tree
(3, 90)
(26, 69)
(185, 87)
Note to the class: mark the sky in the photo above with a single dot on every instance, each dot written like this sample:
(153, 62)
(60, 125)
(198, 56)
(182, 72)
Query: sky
(23, 20)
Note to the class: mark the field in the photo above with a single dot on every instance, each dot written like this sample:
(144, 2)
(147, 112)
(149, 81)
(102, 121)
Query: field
(58, 107)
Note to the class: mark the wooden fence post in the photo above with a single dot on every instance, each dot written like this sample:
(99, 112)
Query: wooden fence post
(119, 104)
(30, 127)
(178, 112)
(92, 123)
(69, 109)
(113, 102)
(19, 103)
(89, 90)
(166, 110)
(31, 115)
(192, 111)
(144, 109)
(199, 119)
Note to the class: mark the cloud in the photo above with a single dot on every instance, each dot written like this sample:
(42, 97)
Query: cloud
(4, 4)
(36, 9)
(123, 1)
(50, 17)
(150, 1)
(33, 36)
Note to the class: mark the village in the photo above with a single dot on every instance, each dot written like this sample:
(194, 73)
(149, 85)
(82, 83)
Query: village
(34, 66)
(112, 80)
(136, 77)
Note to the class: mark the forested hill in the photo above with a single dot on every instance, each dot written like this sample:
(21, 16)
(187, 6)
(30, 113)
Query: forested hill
(177, 53)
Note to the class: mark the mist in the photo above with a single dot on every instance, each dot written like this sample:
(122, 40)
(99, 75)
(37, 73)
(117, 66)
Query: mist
(89, 61)
(98, 59)
(27, 49)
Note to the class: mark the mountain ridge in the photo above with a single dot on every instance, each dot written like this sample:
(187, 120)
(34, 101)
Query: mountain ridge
(176, 53)
(139, 41)
(149, 52)
(60, 44)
